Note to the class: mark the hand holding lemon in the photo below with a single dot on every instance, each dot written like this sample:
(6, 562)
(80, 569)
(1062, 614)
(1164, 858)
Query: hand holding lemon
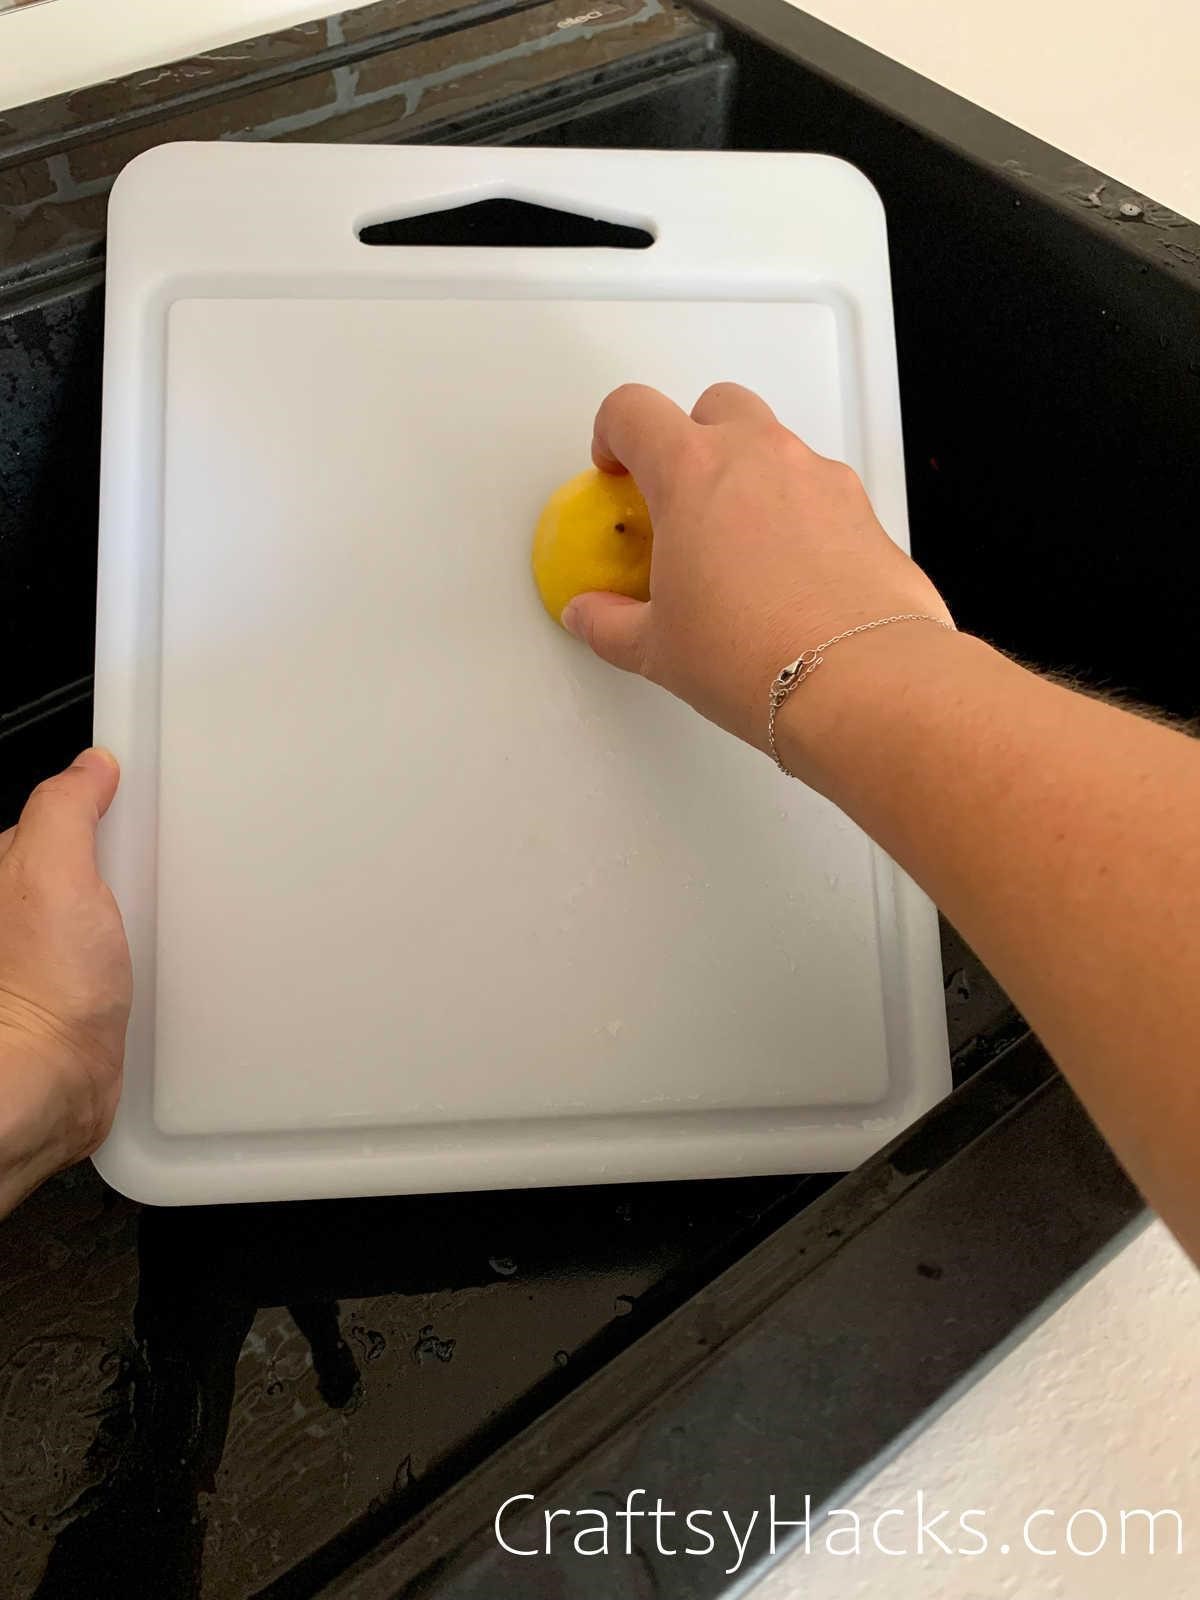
(593, 535)
(761, 548)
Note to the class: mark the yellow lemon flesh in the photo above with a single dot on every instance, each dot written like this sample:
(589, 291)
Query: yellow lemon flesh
(594, 533)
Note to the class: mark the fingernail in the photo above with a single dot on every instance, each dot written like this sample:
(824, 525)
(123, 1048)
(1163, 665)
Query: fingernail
(93, 753)
(570, 618)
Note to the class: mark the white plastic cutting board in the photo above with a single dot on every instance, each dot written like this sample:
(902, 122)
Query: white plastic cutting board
(420, 895)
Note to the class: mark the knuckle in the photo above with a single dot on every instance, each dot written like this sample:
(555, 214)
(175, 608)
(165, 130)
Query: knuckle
(626, 394)
(830, 476)
(854, 492)
(717, 391)
(843, 476)
(801, 453)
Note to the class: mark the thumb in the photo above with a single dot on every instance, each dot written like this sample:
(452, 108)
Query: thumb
(614, 626)
(57, 828)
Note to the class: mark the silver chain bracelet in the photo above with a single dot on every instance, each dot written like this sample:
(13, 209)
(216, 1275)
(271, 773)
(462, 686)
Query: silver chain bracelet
(805, 664)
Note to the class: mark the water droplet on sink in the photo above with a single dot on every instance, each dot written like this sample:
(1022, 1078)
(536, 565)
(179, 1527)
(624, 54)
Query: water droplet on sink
(430, 1348)
(369, 1340)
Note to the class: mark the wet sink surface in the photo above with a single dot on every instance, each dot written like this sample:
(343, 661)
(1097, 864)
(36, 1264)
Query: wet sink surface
(198, 1402)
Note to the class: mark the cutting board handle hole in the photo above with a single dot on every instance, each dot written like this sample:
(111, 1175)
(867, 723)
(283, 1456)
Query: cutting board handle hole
(501, 223)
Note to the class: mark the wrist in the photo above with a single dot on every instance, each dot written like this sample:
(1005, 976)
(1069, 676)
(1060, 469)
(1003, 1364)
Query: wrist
(873, 693)
(47, 1120)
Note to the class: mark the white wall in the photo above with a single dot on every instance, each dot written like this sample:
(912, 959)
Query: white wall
(1099, 1407)
(1116, 85)
(47, 49)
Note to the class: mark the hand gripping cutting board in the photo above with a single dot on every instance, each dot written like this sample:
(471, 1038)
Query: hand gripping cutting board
(420, 895)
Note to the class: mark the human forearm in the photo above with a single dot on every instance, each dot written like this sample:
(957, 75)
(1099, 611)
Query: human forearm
(1061, 835)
